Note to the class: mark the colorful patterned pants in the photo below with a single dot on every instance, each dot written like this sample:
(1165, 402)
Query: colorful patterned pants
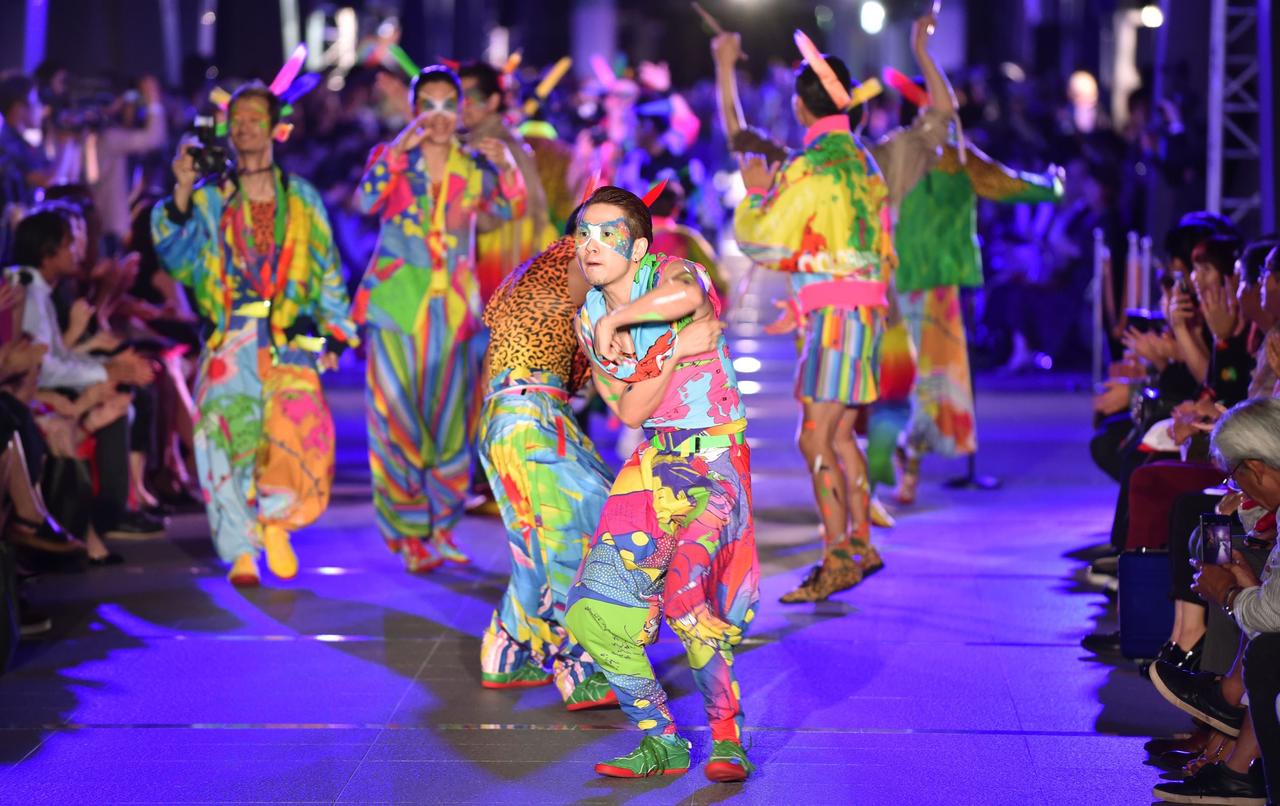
(550, 484)
(942, 417)
(420, 417)
(676, 535)
(264, 439)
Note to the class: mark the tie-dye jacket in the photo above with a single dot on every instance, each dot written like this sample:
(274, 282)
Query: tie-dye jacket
(826, 216)
(197, 250)
(427, 249)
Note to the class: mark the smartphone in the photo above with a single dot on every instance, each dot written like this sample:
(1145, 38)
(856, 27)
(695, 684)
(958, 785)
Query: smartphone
(1180, 283)
(1215, 539)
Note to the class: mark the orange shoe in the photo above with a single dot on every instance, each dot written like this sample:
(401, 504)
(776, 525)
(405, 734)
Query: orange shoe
(281, 558)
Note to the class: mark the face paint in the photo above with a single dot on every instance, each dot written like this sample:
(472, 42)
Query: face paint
(613, 234)
(250, 113)
(438, 106)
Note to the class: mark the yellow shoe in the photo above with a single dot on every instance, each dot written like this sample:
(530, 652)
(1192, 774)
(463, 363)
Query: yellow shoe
(280, 557)
(244, 572)
(880, 516)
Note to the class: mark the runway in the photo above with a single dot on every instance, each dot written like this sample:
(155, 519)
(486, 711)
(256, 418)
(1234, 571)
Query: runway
(955, 676)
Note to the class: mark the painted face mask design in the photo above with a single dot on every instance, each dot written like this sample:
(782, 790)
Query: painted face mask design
(613, 234)
(438, 106)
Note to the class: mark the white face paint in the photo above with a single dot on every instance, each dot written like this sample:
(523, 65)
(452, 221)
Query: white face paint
(613, 235)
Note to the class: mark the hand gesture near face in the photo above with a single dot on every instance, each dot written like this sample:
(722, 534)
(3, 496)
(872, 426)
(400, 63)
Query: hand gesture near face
(411, 136)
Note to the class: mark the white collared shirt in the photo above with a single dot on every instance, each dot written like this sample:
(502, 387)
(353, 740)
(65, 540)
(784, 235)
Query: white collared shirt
(62, 367)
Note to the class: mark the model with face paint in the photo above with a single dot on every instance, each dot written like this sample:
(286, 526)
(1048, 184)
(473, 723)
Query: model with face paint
(421, 304)
(676, 537)
(822, 215)
(258, 254)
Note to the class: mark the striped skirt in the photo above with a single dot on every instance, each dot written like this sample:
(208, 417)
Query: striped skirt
(839, 356)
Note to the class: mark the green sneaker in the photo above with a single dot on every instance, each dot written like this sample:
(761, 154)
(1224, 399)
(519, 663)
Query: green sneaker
(527, 676)
(728, 763)
(594, 692)
(654, 756)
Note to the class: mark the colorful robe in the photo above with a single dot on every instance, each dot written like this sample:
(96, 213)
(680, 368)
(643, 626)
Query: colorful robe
(421, 300)
(939, 254)
(264, 438)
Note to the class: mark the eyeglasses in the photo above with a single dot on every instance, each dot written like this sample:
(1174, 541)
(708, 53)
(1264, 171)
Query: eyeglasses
(1230, 481)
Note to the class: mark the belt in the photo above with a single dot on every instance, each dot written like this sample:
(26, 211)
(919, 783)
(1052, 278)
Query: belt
(262, 309)
(554, 391)
(680, 442)
(842, 294)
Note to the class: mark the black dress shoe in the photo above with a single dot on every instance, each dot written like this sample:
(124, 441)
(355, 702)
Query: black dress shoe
(137, 526)
(1216, 783)
(1198, 694)
(1100, 643)
(1171, 653)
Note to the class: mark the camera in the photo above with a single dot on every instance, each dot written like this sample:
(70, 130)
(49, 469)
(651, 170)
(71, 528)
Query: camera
(210, 157)
(1215, 539)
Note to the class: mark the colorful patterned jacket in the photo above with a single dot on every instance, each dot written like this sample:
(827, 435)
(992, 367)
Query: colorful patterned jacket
(426, 248)
(825, 221)
(197, 250)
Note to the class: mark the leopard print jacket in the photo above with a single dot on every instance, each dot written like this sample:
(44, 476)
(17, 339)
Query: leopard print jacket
(531, 318)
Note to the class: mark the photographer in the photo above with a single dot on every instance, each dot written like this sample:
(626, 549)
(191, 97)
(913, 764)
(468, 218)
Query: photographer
(254, 246)
(120, 140)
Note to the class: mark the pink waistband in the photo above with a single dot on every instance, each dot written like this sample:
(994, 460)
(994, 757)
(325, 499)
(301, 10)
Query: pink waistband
(843, 294)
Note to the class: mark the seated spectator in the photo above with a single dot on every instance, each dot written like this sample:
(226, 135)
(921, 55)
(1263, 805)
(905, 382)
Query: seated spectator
(43, 249)
(1246, 444)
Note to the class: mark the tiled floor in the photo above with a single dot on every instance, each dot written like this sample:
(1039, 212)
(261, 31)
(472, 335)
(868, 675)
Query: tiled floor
(953, 677)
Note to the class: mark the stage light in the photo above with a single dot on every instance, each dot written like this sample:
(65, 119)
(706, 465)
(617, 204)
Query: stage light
(749, 387)
(209, 18)
(746, 364)
(1151, 16)
(872, 16)
(824, 16)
